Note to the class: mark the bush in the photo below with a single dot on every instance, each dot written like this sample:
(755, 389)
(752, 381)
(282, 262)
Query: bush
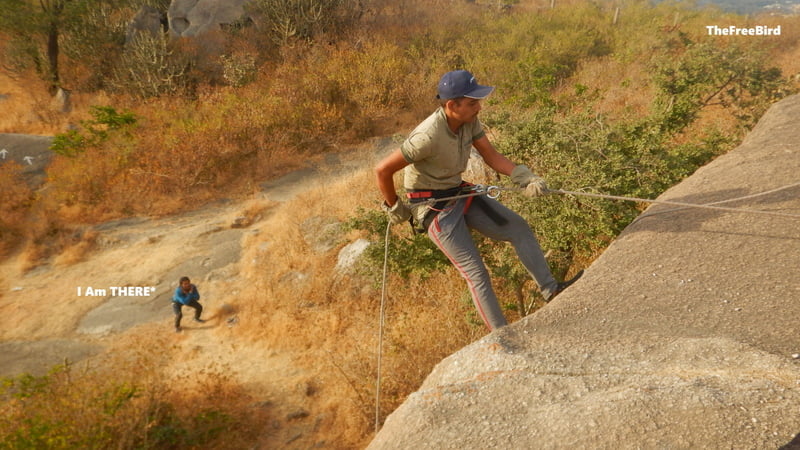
(93, 39)
(95, 131)
(409, 253)
(150, 66)
(14, 209)
(238, 69)
(288, 20)
(709, 74)
(115, 411)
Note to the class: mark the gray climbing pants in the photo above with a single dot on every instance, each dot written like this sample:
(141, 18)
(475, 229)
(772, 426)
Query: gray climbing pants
(450, 231)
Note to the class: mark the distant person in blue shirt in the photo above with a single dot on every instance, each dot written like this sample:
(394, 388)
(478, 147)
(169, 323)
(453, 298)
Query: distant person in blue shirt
(186, 295)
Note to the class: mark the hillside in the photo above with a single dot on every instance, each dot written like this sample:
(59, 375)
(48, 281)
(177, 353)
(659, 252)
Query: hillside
(68, 312)
(755, 6)
(246, 165)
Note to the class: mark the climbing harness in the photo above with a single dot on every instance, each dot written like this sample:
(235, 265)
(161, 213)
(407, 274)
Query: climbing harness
(463, 191)
(436, 198)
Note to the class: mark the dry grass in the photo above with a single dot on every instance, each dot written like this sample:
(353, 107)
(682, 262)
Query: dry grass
(14, 208)
(126, 401)
(78, 250)
(332, 318)
(29, 109)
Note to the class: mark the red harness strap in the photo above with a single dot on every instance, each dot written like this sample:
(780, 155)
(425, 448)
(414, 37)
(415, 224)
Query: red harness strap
(420, 194)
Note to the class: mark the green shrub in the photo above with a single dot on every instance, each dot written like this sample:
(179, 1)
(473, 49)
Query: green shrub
(409, 253)
(709, 74)
(40, 412)
(96, 131)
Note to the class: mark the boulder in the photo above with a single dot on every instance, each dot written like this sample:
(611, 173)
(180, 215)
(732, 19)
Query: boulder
(61, 101)
(189, 18)
(147, 20)
(349, 254)
(31, 152)
(478, 172)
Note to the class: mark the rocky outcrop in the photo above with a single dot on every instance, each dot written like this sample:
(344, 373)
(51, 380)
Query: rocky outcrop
(188, 18)
(683, 334)
(31, 152)
(148, 21)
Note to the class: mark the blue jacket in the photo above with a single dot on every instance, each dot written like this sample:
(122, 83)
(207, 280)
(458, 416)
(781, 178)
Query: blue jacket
(184, 298)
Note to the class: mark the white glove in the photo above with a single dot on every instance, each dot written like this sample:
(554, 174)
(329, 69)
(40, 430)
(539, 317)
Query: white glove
(534, 185)
(398, 213)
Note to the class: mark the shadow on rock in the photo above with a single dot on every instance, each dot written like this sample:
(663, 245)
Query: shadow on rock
(674, 218)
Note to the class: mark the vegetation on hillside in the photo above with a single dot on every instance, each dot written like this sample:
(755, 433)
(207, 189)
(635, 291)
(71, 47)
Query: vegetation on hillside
(624, 102)
(124, 405)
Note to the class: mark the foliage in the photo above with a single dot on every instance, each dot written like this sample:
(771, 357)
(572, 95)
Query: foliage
(287, 20)
(17, 199)
(408, 253)
(95, 36)
(105, 120)
(708, 74)
(37, 29)
(31, 26)
(635, 157)
(150, 67)
(555, 46)
(39, 412)
(239, 69)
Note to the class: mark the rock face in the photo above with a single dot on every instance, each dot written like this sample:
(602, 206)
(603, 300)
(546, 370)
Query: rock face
(188, 18)
(148, 20)
(683, 334)
(31, 152)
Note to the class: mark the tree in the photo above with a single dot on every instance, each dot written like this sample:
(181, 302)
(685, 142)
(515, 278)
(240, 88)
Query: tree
(34, 25)
(41, 30)
(690, 76)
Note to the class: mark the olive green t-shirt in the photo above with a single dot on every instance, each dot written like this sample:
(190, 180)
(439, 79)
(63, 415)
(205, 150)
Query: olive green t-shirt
(437, 156)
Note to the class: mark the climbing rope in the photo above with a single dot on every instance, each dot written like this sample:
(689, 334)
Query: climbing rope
(713, 206)
(494, 192)
(746, 197)
(380, 328)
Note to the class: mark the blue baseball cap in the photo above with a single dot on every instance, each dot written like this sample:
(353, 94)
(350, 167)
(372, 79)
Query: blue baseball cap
(460, 83)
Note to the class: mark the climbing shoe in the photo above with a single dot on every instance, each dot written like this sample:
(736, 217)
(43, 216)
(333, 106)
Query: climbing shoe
(563, 285)
(199, 320)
